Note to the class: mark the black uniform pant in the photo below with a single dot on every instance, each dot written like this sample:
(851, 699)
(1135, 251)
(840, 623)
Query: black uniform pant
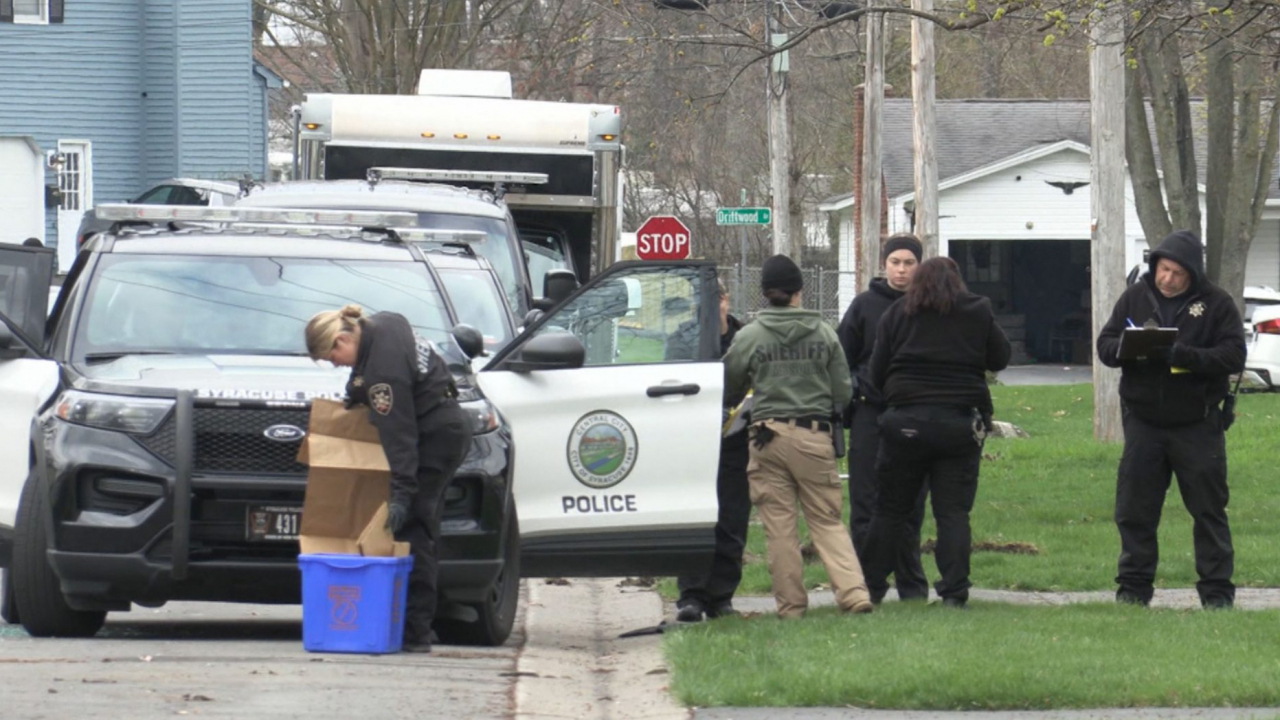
(445, 438)
(719, 582)
(941, 443)
(1196, 455)
(864, 492)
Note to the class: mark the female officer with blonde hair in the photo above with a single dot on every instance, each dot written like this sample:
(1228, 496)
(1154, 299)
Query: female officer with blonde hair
(411, 397)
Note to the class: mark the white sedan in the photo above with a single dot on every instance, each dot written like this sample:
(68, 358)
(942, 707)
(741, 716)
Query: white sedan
(1262, 332)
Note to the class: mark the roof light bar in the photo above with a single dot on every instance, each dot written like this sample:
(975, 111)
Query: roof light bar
(469, 237)
(290, 216)
(455, 176)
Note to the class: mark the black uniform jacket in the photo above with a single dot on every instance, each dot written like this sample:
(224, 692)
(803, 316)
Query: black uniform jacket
(857, 333)
(1210, 343)
(401, 378)
(935, 359)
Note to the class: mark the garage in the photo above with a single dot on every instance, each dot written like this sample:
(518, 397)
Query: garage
(21, 189)
(1039, 290)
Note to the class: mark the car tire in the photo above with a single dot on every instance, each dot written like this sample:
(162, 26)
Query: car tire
(497, 613)
(38, 597)
(8, 606)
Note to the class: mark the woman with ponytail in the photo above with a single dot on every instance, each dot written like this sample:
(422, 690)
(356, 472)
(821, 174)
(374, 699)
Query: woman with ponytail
(411, 397)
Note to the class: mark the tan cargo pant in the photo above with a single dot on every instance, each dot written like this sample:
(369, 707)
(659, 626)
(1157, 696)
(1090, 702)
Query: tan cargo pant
(799, 463)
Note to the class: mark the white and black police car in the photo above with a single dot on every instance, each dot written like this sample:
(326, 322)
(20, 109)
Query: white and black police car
(148, 429)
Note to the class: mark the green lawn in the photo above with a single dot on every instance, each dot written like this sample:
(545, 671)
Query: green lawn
(992, 656)
(1055, 491)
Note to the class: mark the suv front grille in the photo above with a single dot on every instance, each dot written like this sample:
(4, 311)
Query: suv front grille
(232, 440)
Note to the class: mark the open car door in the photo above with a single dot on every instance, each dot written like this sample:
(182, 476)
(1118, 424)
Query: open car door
(27, 379)
(614, 403)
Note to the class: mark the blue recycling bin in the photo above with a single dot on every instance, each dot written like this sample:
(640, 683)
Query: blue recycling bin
(352, 603)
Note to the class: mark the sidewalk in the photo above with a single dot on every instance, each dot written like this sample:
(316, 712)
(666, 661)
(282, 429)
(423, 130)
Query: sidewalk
(573, 664)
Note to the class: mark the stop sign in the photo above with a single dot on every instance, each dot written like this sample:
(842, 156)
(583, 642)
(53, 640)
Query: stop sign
(662, 237)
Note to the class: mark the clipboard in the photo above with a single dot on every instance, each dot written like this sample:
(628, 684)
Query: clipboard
(1137, 343)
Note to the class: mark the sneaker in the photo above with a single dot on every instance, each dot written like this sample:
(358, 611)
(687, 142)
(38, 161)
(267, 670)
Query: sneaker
(690, 612)
(955, 603)
(719, 610)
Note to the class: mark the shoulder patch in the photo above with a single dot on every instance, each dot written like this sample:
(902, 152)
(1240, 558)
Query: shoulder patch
(381, 399)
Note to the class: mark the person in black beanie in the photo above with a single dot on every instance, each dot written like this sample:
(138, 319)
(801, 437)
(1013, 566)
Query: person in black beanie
(900, 257)
(791, 360)
(1172, 405)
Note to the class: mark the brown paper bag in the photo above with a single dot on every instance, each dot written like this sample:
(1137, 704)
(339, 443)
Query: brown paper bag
(345, 508)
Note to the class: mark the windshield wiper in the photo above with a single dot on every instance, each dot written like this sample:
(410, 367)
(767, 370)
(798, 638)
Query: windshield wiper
(109, 356)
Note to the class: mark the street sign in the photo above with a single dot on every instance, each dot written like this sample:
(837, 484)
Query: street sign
(662, 237)
(743, 216)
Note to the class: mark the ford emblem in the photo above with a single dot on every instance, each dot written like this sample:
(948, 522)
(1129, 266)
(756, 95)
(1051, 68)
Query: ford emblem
(284, 433)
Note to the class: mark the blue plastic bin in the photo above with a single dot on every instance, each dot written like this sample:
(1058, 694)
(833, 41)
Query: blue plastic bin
(353, 604)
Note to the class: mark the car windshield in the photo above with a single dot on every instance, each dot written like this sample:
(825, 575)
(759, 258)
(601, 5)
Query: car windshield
(260, 305)
(495, 247)
(478, 303)
(542, 254)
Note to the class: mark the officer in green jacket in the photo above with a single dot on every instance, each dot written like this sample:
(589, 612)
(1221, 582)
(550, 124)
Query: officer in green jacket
(793, 362)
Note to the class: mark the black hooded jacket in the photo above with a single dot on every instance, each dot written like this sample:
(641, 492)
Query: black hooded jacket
(857, 333)
(401, 378)
(934, 359)
(1210, 344)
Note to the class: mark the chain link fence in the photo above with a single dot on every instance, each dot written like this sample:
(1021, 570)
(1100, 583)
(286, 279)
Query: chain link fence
(821, 292)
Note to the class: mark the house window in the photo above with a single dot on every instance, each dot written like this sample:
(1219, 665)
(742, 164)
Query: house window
(31, 11)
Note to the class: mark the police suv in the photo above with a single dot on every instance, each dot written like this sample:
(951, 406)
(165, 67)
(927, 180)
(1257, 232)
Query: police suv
(149, 429)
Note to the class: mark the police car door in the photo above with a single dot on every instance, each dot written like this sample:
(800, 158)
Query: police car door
(27, 380)
(614, 403)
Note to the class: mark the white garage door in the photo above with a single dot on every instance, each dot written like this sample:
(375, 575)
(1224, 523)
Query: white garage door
(21, 190)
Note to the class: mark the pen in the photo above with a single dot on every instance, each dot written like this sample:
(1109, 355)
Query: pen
(1130, 321)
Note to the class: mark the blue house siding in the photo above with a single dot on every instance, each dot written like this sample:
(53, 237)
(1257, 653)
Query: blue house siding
(216, 89)
(160, 88)
(77, 81)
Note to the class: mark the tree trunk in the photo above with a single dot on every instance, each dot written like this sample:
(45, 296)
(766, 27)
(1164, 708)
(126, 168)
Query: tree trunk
(868, 204)
(1220, 100)
(1249, 184)
(1147, 195)
(1161, 57)
(924, 128)
(1106, 101)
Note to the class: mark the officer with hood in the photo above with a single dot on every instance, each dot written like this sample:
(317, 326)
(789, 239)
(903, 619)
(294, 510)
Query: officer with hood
(901, 257)
(1171, 403)
(792, 361)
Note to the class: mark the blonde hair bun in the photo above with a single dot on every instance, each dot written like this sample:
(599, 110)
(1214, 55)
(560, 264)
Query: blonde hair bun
(354, 312)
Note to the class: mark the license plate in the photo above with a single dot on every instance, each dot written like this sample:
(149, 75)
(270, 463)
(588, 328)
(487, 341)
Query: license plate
(264, 523)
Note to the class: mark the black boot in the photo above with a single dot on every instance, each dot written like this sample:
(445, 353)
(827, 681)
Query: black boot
(690, 611)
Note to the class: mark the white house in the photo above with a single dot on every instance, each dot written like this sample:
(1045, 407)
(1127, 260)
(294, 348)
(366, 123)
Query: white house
(1013, 206)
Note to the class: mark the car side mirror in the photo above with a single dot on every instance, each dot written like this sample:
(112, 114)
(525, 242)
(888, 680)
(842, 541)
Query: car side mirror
(557, 285)
(469, 339)
(550, 351)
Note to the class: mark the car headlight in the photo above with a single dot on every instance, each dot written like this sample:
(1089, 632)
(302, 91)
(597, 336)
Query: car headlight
(482, 414)
(113, 412)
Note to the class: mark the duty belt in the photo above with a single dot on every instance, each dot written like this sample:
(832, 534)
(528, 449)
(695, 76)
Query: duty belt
(808, 423)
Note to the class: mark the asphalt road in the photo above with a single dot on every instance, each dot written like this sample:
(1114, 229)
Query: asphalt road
(241, 661)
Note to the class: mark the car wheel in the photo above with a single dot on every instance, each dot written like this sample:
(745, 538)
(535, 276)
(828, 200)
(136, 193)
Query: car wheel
(42, 608)
(497, 613)
(8, 606)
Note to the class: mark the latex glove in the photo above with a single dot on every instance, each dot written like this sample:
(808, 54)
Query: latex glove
(397, 516)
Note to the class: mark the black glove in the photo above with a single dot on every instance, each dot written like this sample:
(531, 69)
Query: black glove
(763, 436)
(397, 515)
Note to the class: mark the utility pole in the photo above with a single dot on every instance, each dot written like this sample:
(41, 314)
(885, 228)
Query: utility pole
(873, 120)
(1106, 201)
(779, 139)
(924, 128)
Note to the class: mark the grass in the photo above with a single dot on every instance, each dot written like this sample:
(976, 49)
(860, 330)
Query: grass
(1056, 492)
(993, 656)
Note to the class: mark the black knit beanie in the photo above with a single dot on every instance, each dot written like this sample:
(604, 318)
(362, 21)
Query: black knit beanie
(780, 273)
(902, 241)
